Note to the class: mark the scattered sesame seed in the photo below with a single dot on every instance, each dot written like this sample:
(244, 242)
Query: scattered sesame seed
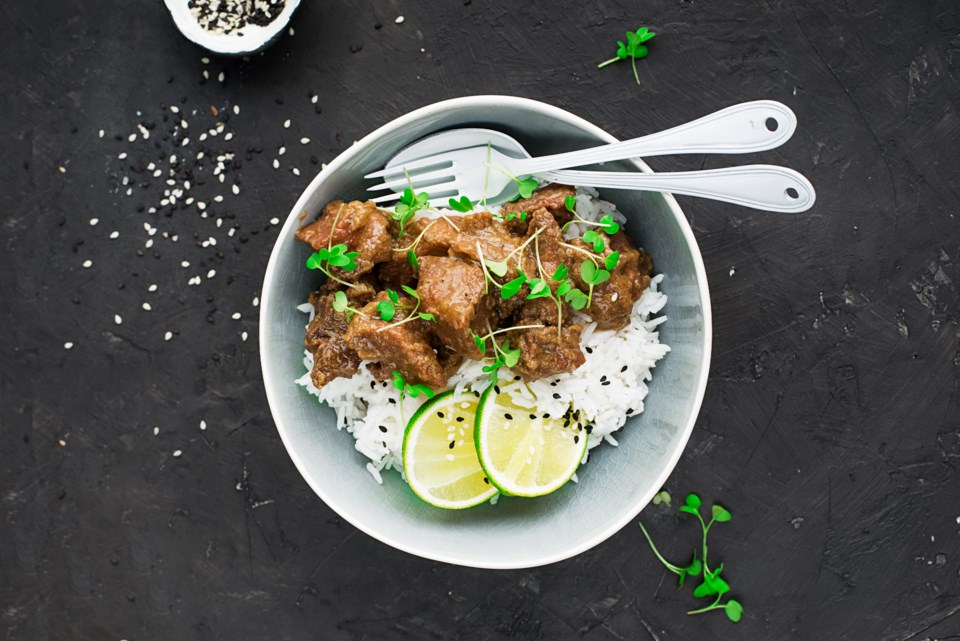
(122, 155)
(256, 301)
(101, 133)
(243, 337)
(296, 172)
(132, 138)
(211, 273)
(235, 189)
(68, 345)
(152, 288)
(291, 32)
(399, 20)
(94, 221)
(177, 453)
(184, 263)
(114, 235)
(203, 425)
(236, 110)
(276, 164)
(87, 264)
(62, 442)
(286, 123)
(304, 141)
(62, 169)
(205, 60)
(146, 307)
(167, 336)
(156, 430)
(236, 316)
(221, 77)
(175, 109)
(274, 221)
(281, 151)
(314, 98)
(117, 319)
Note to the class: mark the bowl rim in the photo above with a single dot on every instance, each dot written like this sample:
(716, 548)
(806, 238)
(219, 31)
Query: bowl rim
(266, 295)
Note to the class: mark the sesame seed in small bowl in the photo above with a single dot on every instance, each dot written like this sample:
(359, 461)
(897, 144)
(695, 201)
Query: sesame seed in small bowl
(232, 27)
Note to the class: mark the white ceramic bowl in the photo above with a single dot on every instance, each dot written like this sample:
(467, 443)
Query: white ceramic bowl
(254, 38)
(615, 484)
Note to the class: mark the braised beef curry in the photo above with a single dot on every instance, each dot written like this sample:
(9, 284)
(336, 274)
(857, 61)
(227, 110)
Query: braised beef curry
(443, 295)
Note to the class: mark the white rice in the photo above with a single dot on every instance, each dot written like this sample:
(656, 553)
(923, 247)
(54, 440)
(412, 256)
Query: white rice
(610, 386)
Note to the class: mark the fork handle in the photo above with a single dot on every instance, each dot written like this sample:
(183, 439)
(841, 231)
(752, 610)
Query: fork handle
(740, 129)
(766, 187)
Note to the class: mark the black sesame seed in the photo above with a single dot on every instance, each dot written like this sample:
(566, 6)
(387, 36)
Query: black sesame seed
(383, 428)
(533, 416)
(392, 400)
(546, 415)
(624, 368)
(486, 480)
(373, 385)
(603, 378)
(576, 438)
(452, 443)
(459, 419)
(605, 383)
(556, 396)
(476, 393)
(440, 414)
(516, 378)
(629, 411)
(496, 388)
(508, 416)
(589, 350)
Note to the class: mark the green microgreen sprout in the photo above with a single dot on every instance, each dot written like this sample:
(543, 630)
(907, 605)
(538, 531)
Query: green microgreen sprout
(592, 276)
(413, 391)
(503, 355)
(633, 48)
(463, 205)
(414, 314)
(606, 222)
(342, 305)
(410, 203)
(517, 215)
(712, 583)
(335, 256)
(662, 498)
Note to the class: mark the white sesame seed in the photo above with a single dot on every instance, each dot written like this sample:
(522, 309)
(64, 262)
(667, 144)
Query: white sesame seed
(68, 345)
(296, 172)
(205, 60)
(281, 151)
(236, 316)
(201, 205)
(146, 307)
(194, 281)
(87, 264)
(218, 199)
(167, 336)
(203, 425)
(122, 155)
(132, 138)
(175, 109)
(291, 31)
(149, 243)
(399, 20)
(117, 320)
(314, 98)
(235, 189)
(206, 74)
(101, 133)
(94, 221)
(274, 221)
(276, 164)
(256, 301)
(62, 169)
(229, 136)
(244, 336)
(156, 430)
(211, 273)
(177, 453)
(221, 76)
(236, 110)
(152, 288)
(286, 123)
(186, 141)
(184, 264)
(304, 141)
(62, 442)
(114, 235)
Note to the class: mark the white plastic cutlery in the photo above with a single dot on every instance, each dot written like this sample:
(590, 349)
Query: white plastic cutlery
(452, 163)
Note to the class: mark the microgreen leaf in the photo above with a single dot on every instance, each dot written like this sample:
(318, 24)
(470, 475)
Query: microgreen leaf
(340, 260)
(498, 268)
(526, 187)
(387, 310)
(560, 273)
(398, 381)
(609, 225)
(733, 610)
(692, 500)
(611, 260)
(593, 238)
(588, 271)
(314, 260)
(392, 295)
(633, 48)
(339, 302)
(417, 390)
(570, 202)
(463, 205)
(521, 215)
(720, 514)
(480, 343)
(428, 317)
(510, 356)
(704, 589)
(577, 299)
(662, 497)
(564, 287)
(512, 288)
(412, 259)
(538, 289)
(411, 291)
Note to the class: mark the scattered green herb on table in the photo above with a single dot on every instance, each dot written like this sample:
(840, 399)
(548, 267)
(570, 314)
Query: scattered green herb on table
(633, 48)
(712, 583)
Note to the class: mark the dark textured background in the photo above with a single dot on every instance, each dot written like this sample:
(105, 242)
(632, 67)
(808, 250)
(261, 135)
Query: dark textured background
(830, 428)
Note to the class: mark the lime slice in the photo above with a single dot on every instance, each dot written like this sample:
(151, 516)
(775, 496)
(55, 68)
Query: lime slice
(439, 459)
(523, 452)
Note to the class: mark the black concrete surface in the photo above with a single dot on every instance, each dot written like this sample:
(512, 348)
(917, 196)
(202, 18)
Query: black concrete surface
(830, 428)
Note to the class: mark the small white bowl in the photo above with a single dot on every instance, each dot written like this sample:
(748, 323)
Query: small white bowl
(614, 485)
(254, 38)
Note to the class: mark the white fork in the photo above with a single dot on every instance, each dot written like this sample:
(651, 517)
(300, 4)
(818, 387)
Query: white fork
(485, 173)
